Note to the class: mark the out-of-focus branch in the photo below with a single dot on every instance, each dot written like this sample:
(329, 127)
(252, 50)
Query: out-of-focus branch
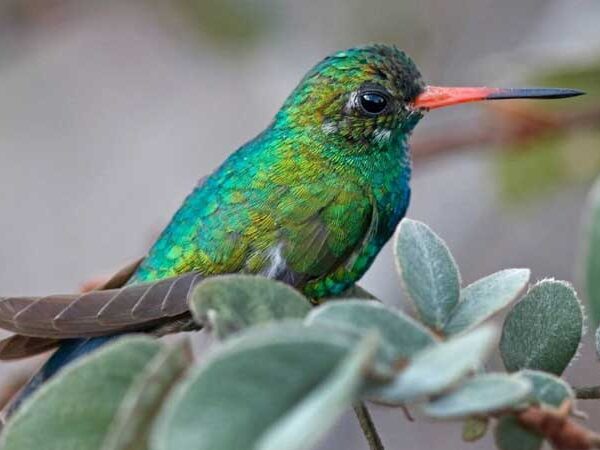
(368, 427)
(558, 427)
(506, 125)
(587, 392)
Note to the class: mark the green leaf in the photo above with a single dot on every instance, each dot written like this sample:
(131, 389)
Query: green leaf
(485, 297)
(592, 257)
(429, 272)
(74, 410)
(402, 335)
(483, 394)
(131, 425)
(547, 389)
(475, 428)
(597, 342)
(437, 368)
(511, 435)
(543, 330)
(231, 303)
(304, 426)
(246, 386)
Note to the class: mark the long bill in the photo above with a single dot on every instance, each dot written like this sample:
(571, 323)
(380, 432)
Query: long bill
(439, 96)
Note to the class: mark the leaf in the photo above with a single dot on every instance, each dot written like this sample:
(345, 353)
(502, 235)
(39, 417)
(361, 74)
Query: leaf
(510, 435)
(304, 426)
(475, 428)
(592, 257)
(436, 368)
(481, 395)
(234, 302)
(61, 414)
(429, 272)
(547, 389)
(543, 330)
(597, 342)
(132, 423)
(246, 386)
(485, 297)
(402, 335)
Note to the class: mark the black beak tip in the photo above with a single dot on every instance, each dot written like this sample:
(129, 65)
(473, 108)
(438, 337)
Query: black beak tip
(540, 93)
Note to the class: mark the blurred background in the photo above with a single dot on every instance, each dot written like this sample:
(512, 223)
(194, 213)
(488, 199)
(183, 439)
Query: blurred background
(110, 111)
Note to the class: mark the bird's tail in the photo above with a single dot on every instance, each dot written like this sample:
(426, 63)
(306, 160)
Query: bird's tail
(80, 323)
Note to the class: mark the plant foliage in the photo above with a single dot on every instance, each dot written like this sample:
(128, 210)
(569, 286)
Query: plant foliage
(281, 373)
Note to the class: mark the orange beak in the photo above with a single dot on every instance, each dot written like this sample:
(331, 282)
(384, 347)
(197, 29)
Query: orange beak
(437, 96)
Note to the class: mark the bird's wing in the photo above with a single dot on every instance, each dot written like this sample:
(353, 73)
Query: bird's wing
(97, 313)
(327, 230)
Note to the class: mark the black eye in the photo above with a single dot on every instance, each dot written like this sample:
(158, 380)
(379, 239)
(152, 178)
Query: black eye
(373, 102)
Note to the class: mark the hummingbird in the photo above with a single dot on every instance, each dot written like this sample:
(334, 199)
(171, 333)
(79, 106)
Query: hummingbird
(310, 201)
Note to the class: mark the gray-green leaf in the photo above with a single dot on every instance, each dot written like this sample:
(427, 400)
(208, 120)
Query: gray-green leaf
(131, 425)
(482, 394)
(597, 342)
(511, 435)
(303, 427)
(438, 367)
(402, 335)
(231, 303)
(482, 299)
(547, 389)
(544, 329)
(592, 256)
(74, 410)
(429, 272)
(247, 386)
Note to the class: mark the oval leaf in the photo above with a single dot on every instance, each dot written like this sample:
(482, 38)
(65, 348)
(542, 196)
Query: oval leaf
(429, 272)
(60, 414)
(547, 389)
(247, 386)
(131, 426)
(483, 394)
(597, 342)
(475, 428)
(592, 257)
(402, 335)
(234, 302)
(511, 435)
(544, 329)
(303, 426)
(484, 298)
(436, 368)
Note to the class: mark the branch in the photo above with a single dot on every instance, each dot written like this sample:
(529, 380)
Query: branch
(587, 392)
(556, 425)
(368, 427)
(508, 125)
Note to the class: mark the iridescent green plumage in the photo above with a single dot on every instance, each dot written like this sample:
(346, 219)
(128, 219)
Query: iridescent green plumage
(314, 197)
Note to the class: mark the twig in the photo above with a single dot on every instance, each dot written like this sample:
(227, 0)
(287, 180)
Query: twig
(556, 425)
(508, 125)
(368, 427)
(587, 392)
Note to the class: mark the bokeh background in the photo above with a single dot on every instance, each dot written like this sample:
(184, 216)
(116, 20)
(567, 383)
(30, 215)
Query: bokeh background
(110, 111)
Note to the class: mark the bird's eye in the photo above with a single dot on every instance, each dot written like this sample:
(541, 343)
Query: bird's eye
(373, 102)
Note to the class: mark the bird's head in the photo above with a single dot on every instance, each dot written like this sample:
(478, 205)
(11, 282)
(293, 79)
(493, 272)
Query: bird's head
(367, 96)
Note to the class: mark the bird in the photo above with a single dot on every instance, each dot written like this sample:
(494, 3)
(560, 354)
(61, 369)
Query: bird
(310, 201)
